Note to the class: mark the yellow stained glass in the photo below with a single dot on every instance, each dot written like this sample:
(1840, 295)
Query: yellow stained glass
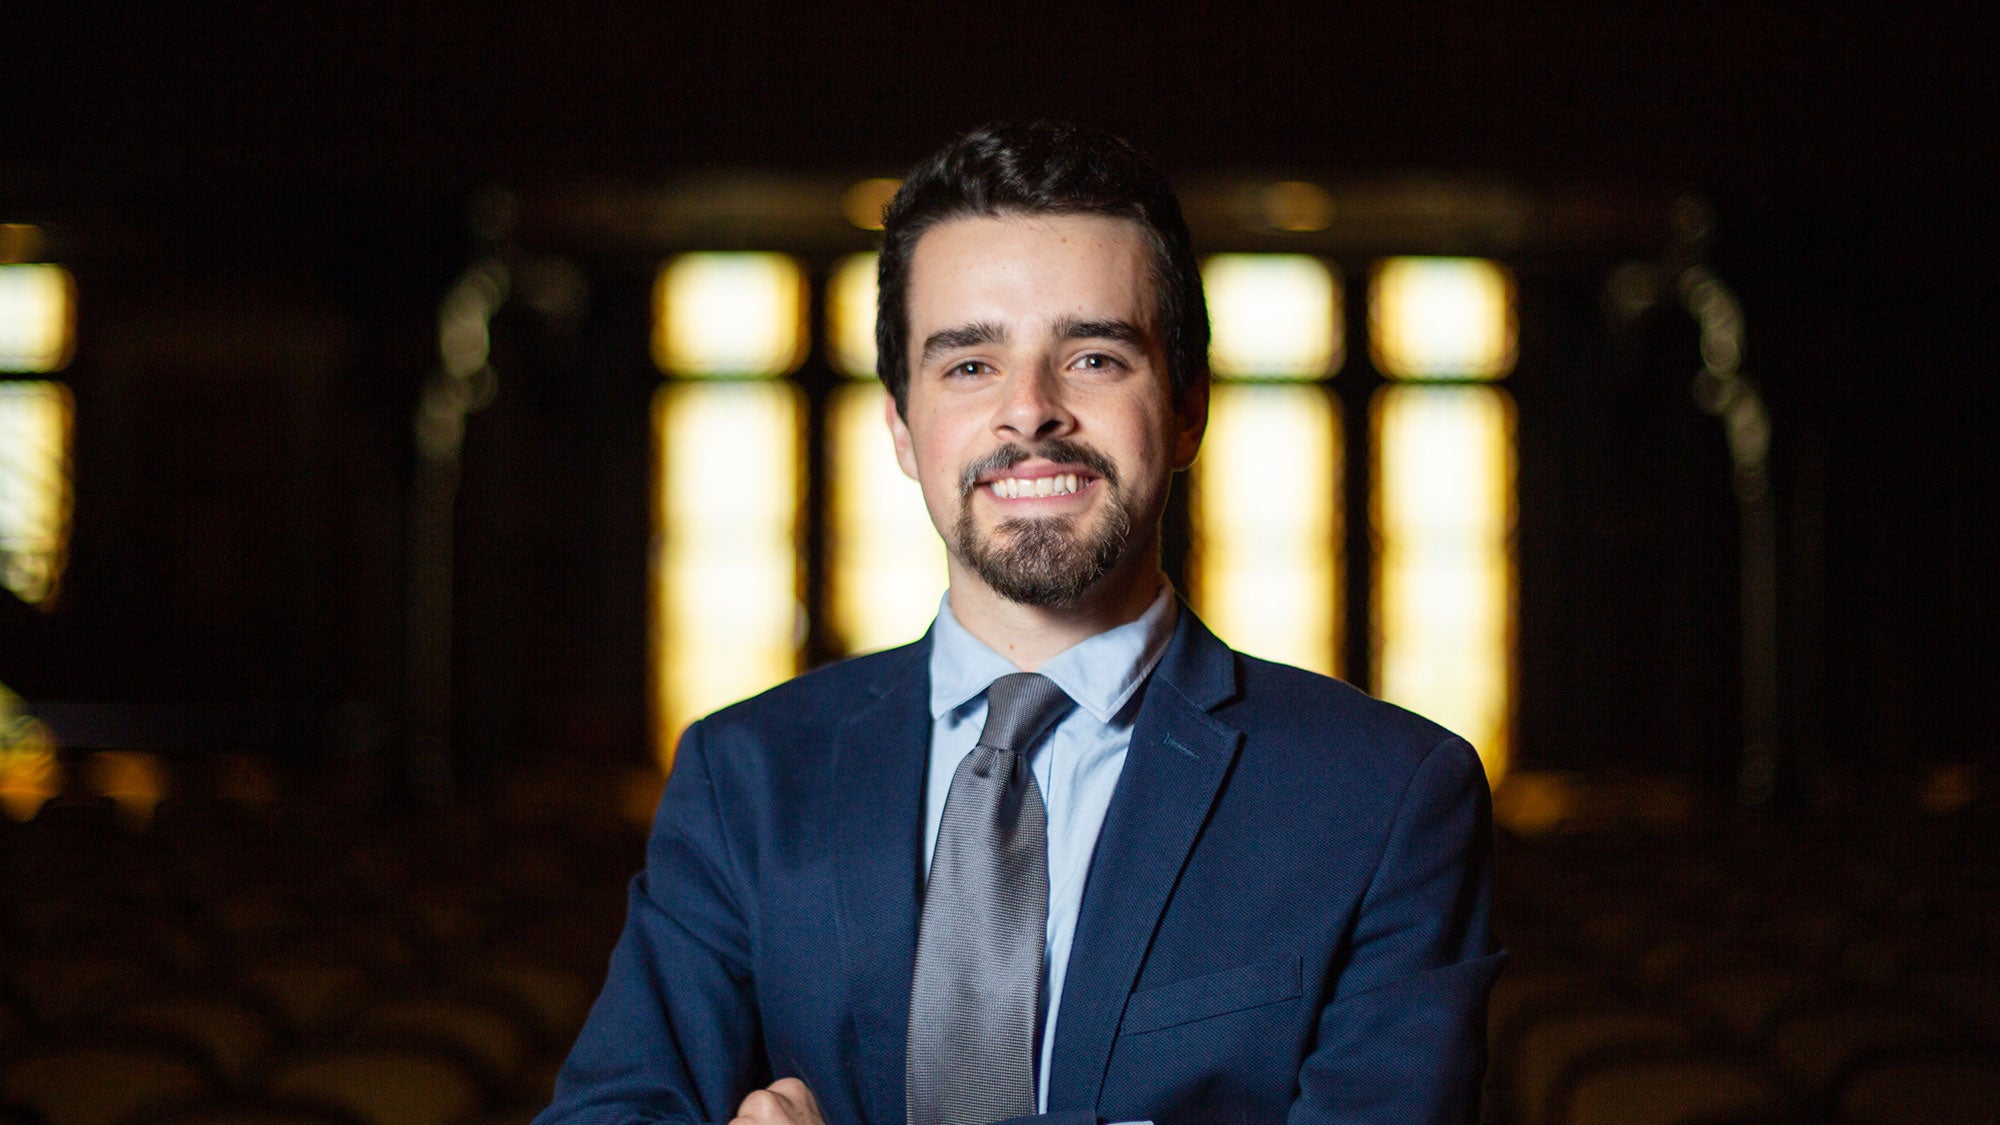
(725, 559)
(885, 564)
(1272, 316)
(36, 419)
(1445, 586)
(1267, 522)
(1442, 318)
(850, 316)
(37, 318)
(729, 315)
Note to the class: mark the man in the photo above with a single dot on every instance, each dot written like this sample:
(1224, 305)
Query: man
(917, 886)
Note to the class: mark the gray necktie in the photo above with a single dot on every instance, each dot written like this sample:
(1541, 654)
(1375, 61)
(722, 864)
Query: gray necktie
(978, 979)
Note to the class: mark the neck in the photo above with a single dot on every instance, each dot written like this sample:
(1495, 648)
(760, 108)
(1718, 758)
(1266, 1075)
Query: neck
(1029, 635)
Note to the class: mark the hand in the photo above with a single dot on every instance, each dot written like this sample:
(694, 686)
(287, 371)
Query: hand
(784, 1102)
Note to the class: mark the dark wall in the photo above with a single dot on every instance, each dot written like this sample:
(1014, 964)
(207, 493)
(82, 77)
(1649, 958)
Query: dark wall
(263, 208)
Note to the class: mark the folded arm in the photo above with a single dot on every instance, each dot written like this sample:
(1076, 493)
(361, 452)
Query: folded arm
(674, 1036)
(1404, 1037)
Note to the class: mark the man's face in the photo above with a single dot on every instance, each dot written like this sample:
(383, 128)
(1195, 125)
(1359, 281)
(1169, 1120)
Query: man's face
(1041, 423)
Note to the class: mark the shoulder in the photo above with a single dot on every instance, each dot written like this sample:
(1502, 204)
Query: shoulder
(1306, 725)
(826, 695)
(1279, 696)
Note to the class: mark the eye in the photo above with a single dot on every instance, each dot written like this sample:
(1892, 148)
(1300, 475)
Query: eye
(1098, 361)
(968, 367)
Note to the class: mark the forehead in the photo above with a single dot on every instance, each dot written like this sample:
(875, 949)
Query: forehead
(1030, 268)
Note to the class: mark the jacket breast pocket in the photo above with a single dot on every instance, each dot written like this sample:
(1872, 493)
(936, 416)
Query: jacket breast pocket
(1217, 994)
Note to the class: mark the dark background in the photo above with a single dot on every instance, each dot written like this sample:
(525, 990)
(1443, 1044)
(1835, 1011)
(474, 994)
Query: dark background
(263, 205)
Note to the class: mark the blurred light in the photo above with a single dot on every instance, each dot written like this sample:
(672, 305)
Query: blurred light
(1442, 318)
(133, 780)
(725, 564)
(1444, 522)
(30, 773)
(729, 314)
(36, 420)
(1272, 316)
(1267, 523)
(465, 316)
(864, 203)
(1294, 205)
(885, 565)
(1543, 802)
(850, 316)
(37, 318)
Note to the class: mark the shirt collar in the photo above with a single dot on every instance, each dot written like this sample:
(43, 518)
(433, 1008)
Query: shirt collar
(1100, 672)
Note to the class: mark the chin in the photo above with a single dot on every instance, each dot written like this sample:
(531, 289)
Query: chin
(1048, 563)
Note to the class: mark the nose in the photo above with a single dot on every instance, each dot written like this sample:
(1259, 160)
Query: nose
(1031, 406)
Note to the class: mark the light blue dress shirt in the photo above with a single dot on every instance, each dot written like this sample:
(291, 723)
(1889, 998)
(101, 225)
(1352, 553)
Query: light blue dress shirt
(1076, 764)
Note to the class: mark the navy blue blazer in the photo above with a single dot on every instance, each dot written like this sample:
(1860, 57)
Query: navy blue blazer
(1285, 917)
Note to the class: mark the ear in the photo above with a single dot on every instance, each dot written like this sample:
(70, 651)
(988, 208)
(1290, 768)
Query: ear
(1192, 415)
(899, 432)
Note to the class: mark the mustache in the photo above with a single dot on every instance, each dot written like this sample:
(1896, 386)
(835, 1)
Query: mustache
(1055, 449)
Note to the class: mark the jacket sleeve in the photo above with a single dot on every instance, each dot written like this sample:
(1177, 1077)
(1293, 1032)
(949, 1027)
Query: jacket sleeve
(674, 1036)
(1403, 1038)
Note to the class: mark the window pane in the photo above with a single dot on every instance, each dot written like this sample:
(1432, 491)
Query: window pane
(1272, 316)
(37, 318)
(850, 316)
(1444, 516)
(885, 565)
(1442, 318)
(1267, 523)
(725, 564)
(729, 314)
(35, 426)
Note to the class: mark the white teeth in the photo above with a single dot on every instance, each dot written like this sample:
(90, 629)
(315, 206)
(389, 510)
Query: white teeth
(1015, 488)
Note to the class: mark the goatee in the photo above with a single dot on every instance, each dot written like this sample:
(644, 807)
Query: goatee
(1045, 562)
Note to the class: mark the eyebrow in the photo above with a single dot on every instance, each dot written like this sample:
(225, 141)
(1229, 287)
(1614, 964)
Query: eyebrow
(1122, 331)
(962, 336)
(1068, 328)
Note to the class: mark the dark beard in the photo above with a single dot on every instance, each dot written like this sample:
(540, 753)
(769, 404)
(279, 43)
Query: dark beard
(1044, 562)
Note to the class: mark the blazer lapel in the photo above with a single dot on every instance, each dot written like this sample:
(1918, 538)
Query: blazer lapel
(1175, 767)
(877, 835)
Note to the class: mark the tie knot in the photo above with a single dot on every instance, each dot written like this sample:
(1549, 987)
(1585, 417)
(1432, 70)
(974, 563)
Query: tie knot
(1019, 707)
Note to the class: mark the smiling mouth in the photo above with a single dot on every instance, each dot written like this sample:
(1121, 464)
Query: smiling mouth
(1022, 488)
(1061, 468)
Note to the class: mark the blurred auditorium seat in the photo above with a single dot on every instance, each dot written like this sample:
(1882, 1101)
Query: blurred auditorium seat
(310, 994)
(1673, 1090)
(101, 1082)
(486, 1035)
(231, 1034)
(250, 1110)
(71, 989)
(1919, 1088)
(383, 1085)
(556, 998)
(1813, 1048)
(1528, 988)
(1746, 1002)
(1554, 1046)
